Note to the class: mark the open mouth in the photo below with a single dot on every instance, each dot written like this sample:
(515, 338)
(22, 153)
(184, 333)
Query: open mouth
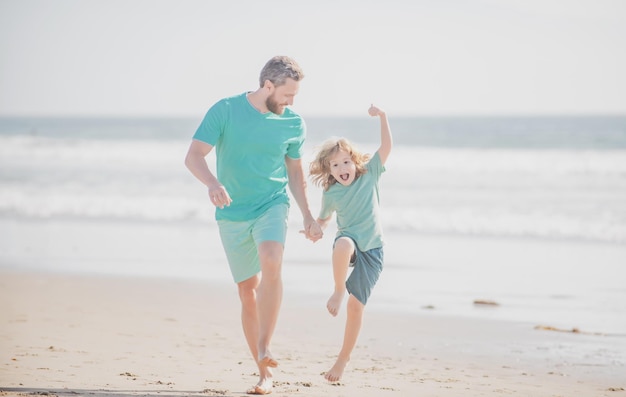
(344, 177)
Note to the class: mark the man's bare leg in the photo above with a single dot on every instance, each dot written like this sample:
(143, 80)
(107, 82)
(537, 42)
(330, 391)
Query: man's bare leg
(269, 298)
(354, 320)
(250, 323)
(342, 252)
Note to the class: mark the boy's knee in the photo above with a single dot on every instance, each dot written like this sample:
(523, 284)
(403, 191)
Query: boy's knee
(344, 244)
(354, 305)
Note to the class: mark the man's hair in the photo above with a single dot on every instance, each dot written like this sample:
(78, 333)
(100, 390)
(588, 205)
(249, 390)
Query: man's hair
(279, 69)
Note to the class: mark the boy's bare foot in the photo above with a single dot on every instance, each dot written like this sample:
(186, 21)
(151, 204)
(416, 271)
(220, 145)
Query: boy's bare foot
(336, 372)
(264, 386)
(334, 302)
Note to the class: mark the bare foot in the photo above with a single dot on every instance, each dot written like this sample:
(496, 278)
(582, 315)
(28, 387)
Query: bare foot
(334, 302)
(336, 372)
(266, 359)
(264, 386)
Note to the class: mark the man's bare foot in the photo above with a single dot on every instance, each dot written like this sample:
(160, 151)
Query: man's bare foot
(267, 360)
(336, 372)
(334, 302)
(264, 386)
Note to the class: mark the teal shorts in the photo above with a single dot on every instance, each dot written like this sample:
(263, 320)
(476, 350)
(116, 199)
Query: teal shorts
(240, 239)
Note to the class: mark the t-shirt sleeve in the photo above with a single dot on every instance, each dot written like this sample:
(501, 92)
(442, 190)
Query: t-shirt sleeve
(212, 126)
(375, 166)
(294, 149)
(327, 209)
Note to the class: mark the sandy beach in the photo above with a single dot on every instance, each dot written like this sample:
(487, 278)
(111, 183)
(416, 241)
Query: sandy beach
(70, 334)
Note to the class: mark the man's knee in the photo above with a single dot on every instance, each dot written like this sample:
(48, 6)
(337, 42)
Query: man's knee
(271, 258)
(247, 290)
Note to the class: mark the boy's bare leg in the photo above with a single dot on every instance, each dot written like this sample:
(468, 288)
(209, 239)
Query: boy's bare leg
(344, 248)
(250, 323)
(269, 298)
(354, 320)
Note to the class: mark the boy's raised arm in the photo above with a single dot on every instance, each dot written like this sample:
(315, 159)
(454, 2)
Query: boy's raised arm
(386, 141)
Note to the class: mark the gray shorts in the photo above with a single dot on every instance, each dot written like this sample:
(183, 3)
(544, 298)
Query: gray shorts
(367, 268)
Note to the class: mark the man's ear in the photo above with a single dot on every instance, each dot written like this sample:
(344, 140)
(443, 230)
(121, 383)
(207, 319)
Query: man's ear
(269, 86)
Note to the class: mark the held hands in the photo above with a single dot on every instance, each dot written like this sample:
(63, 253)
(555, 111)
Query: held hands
(219, 196)
(375, 111)
(312, 231)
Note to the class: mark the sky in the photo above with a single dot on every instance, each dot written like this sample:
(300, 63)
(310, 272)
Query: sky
(420, 57)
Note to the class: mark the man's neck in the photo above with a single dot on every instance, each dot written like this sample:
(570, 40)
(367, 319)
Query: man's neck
(257, 100)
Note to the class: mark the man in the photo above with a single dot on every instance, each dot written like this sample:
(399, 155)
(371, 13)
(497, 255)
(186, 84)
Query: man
(258, 142)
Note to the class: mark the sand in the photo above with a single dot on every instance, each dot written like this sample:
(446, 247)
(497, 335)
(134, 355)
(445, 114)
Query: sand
(70, 334)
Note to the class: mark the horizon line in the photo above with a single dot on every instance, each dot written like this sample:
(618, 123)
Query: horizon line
(319, 115)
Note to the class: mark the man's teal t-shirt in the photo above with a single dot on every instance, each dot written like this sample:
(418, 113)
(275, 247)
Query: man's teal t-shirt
(250, 154)
(357, 207)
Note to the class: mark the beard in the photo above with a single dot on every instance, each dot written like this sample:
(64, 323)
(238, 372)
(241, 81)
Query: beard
(274, 106)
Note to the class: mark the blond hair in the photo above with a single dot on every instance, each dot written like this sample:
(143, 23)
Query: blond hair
(319, 169)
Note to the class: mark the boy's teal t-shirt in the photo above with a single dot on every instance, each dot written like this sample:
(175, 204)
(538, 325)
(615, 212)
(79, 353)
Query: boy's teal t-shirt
(357, 207)
(250, 154)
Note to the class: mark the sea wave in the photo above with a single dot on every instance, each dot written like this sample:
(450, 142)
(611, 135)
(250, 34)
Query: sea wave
(565, 194)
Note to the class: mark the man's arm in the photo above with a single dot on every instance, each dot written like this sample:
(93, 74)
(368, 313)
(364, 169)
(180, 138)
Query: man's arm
(196, 163)
(297, 186)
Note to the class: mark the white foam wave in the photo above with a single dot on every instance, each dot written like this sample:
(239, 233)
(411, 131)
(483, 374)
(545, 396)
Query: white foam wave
(502, 192)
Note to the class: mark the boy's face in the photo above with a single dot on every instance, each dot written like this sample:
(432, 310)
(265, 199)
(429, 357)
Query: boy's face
(342, 168)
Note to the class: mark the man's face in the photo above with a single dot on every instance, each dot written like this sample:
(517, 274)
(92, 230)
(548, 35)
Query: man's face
(282, 96)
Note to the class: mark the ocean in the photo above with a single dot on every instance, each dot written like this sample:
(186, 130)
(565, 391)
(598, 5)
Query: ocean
(542, 177)
(554, 186)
